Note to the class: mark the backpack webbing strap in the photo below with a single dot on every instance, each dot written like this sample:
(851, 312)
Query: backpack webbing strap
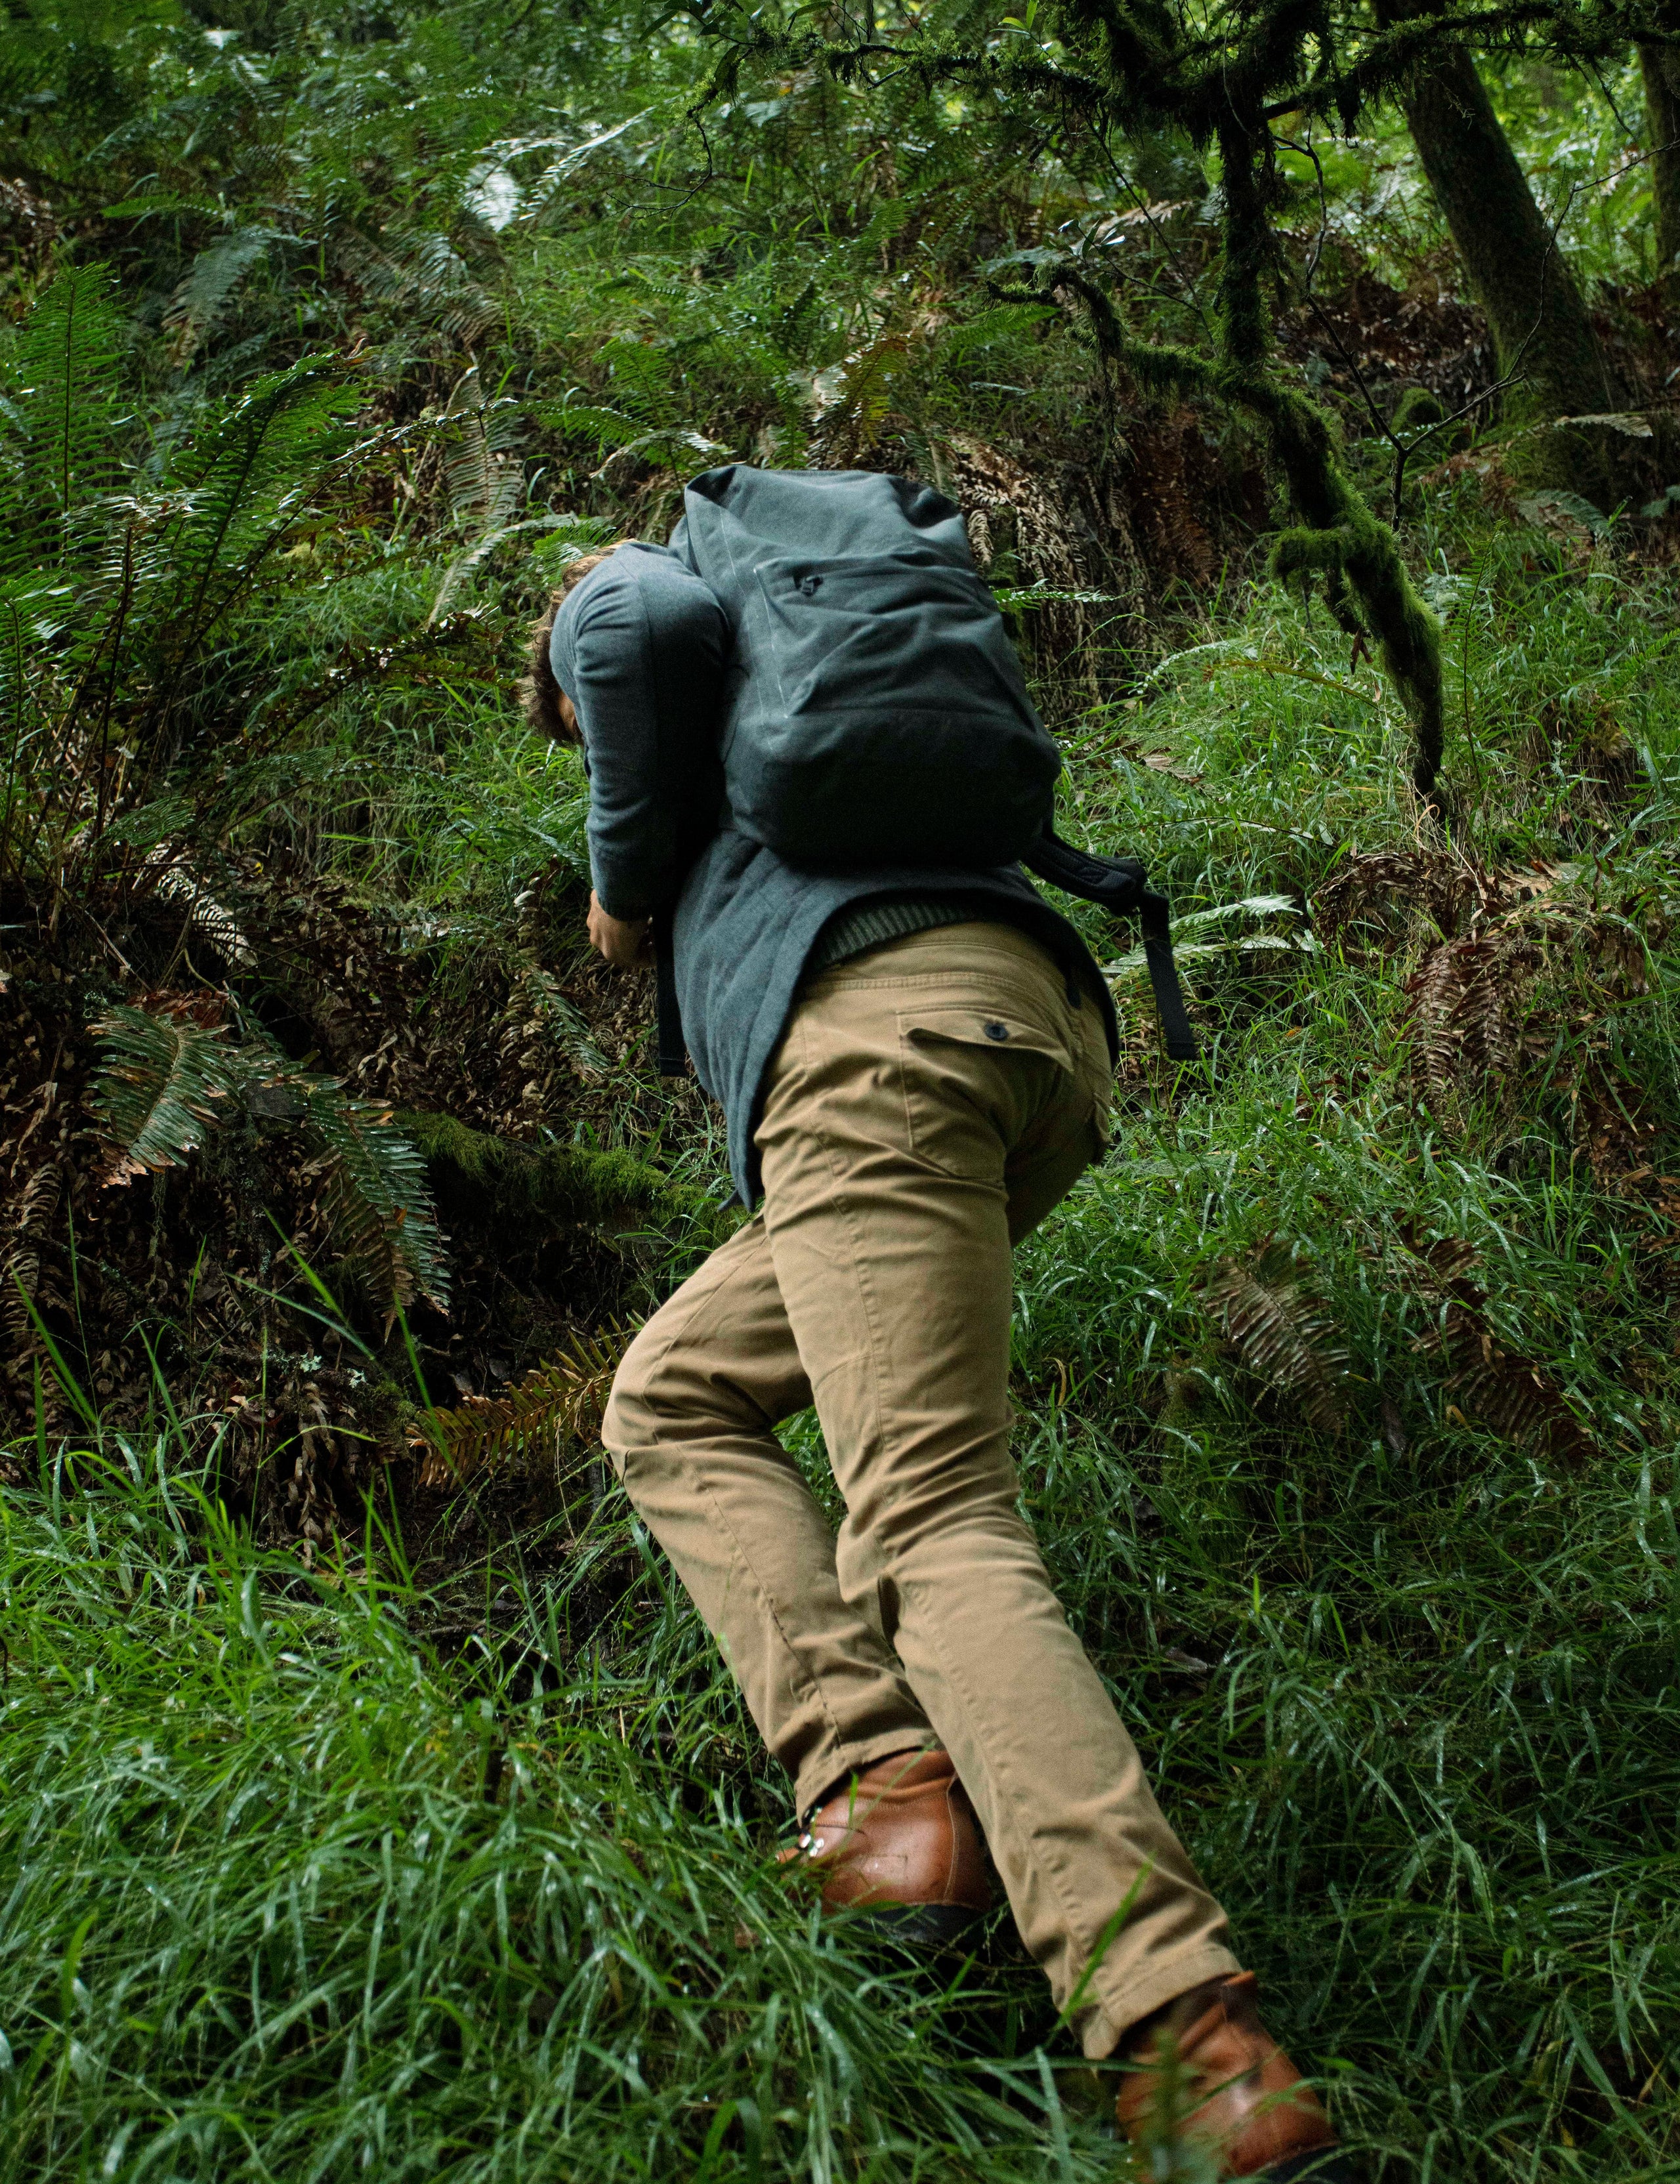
(1176, 1028)
(671, 1046)
(1117, 884)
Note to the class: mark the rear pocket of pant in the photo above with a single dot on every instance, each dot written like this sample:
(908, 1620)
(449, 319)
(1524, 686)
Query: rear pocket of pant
(975, 1075)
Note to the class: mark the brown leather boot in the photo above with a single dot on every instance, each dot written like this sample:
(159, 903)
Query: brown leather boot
(1207, 2074)
(901, 1836)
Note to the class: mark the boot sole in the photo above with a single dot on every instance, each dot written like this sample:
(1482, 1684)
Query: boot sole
(1328, 2165)
(931, 1928)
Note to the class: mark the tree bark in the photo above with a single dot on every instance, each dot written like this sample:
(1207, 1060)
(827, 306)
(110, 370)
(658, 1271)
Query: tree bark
(1659, 66)
(1535, 309)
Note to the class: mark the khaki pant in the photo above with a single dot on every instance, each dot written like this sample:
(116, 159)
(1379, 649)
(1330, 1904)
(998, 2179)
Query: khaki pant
(930, 1102)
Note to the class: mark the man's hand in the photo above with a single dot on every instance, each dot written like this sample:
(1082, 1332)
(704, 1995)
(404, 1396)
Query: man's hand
(625, 942)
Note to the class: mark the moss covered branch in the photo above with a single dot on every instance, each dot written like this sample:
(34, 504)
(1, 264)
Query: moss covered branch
(528, 1192)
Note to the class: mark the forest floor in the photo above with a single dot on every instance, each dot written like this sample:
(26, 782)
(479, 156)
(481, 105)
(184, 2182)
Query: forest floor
(372, 1803)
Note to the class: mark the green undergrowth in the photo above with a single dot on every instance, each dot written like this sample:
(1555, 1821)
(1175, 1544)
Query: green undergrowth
(526, 1192)
(1348, 1384)
(291, 1893)
(1349, 1397)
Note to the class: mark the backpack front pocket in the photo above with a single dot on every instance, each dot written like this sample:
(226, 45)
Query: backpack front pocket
(890, 634)
(884, 719)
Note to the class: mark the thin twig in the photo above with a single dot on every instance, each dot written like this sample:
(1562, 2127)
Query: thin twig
(1189, 296)
(1308, 151)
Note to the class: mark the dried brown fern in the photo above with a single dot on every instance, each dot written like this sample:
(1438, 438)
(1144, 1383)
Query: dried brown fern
(1532, 970)
(1466, 1012)
(1170, 481)
(1580, 734)
(1613, 1130)
(558, 1405)
(1281, 1333)
(169, 876)
(1009, 510)
(20, 1276)
(1614, 946)
(1370, 890)
(1507, 1392)
(1001, 499)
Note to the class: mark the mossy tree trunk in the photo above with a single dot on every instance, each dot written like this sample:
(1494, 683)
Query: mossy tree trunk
(1341, 543)
(1536, 311)
(1659, 66)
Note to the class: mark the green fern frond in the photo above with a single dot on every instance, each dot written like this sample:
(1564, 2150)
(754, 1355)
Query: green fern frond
(169, 1076)
(378, 1200)
(463, 563)
(391, 663)
(1001, 323)
(246, 482)
(158, 1089)
(480, 467)
(215, 276)
(572, 537)
(541, 994)
(593, 422)
(62, 414)
(558, 1403)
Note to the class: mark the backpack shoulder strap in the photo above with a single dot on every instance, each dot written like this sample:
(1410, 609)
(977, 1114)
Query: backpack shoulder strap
(1119, 885)
(670, 1043)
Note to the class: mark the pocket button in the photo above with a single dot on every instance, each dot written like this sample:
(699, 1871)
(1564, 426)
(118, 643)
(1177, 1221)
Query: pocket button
(997, 1030)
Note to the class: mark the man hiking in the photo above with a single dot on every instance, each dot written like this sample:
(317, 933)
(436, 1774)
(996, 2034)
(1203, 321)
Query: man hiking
(914, 1060)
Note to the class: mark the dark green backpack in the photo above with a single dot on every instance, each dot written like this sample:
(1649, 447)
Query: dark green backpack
(875, 712)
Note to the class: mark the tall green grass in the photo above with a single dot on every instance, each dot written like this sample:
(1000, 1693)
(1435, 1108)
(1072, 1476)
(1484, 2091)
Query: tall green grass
(294, 1891)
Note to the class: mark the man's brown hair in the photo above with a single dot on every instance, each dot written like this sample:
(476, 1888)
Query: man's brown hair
(539, 692)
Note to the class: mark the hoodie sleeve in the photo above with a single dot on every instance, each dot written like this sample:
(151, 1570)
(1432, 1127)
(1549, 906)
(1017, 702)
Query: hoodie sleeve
(640, 649)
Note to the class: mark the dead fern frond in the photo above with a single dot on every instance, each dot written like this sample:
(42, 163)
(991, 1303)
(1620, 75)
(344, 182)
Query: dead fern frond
(1014, 519)
(1007, 503)
(172, 882)
(1615, 947)
(1167, 480)
(1464, 1007)
(1281, 1333)
(1613, 1130)
(556, 1405)
(1446, 1262)
(1508, 1393)
(1579, 737)
(1383, 891)
(168, 1067)
(21, 1270)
